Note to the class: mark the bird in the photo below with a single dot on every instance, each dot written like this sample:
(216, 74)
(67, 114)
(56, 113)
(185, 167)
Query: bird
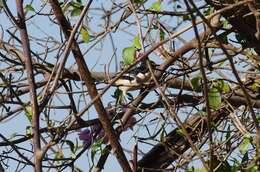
(136, 78)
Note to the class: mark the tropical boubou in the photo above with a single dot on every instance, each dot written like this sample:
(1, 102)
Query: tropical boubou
(136, 78)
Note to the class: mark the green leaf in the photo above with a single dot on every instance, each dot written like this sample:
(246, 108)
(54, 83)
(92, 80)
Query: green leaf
(243, 147)
(201, 113)
(218, 84)
(129, 55)
(221, 86)
(228, 135)
(59, 155)
(186, 17)
(225, 24)
(162, 135)
(92, 155)
(75, 12)
(180, 132)
(214, 98)
(255, 168)
(208, 11)
(226, 88)
(1, 5)
(29, 131)
(162, 35)
(29, 7)
(85, 35)
(28, 113)
(73, 155)
(76, 4)
(39, 97)
(234, 167)
(255, 86)
(97, 146)
(99, 143)
(156, 6)
(105, 151)
(258, 117)
(136, 43)
(196, 83)
(65, 7)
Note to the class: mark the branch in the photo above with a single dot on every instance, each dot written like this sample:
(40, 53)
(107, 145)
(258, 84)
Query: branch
(175, 144)
(89, 82)
(239, 17)
(30, 75)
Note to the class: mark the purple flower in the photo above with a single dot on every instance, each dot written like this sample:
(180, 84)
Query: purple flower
(96, 132)
(86, 137)
(99, 132)
(95, 128)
